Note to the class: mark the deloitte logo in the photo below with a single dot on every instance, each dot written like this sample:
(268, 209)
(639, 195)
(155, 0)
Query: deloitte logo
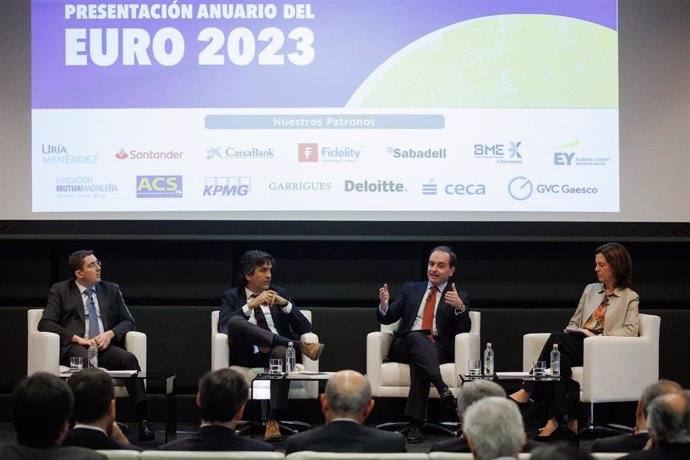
(520, 188)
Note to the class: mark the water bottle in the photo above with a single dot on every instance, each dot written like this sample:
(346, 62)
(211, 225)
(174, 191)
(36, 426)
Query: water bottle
(489, 360)
(92, 359)
(290, 358)
(555, 361)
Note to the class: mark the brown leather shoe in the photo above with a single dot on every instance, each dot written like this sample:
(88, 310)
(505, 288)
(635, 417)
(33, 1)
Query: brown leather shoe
(311, 350)
(272, 431)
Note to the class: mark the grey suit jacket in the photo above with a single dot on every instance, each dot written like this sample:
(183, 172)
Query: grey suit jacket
(622, 314)
(64, 312)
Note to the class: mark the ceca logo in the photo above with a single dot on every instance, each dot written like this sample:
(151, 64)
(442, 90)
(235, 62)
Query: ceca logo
(159, 186)
(454, 188)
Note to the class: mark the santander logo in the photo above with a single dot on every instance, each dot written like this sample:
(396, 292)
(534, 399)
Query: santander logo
(121, 155)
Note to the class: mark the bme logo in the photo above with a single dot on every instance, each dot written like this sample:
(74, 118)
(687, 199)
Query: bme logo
(227, 186)
(308, 153)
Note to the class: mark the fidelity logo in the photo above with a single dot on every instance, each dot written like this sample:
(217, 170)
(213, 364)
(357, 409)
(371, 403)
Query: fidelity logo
(148, 155)
(503, 153)
(431, 188)
(310, 153)
(58, 154)
(227, 186)
(239, 153)
(566, 155)
(159, 186)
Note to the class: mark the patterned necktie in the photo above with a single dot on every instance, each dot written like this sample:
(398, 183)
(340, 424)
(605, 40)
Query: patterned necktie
(93, 315)
(261, 322)
(428, 315)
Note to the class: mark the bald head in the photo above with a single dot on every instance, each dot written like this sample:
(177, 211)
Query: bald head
(669, 419)
(348, 395)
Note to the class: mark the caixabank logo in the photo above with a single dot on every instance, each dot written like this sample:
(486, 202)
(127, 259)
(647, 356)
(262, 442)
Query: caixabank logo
(159, 186)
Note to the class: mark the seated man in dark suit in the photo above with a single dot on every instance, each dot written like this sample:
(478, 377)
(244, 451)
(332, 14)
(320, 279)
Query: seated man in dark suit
(637, 440)
(94, 413)
(221, 399)
(346, 404)
(470, 393)
(260, 320)
(431, 313)
(669, 429)
(86, 309)
(41, 407)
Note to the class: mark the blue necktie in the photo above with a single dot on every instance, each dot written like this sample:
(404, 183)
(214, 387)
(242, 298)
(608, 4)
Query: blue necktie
(93, 315)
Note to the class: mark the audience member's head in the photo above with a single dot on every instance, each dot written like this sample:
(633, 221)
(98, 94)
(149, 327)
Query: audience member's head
(669, 419)
(653, 391)
(94, 396)
(475, 390)
(493, 428)
(559, 452)
(222, 396)
(347, 395)
(41, 406)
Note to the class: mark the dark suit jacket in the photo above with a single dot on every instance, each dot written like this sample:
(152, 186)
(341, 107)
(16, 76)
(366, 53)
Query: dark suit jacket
(93, 439)
(345, 436)
(460, 445)
(448, 323)
(17, 452)
(670, 452)
(291, 325)
(217, 438)
(64, 312)
(621, 443)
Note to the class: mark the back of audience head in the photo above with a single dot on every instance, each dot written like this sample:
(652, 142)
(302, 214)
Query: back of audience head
(41, 407)
(347, 395)
(222, 396)
(559, 452)
(669, 419)
(656, 389)
(493, 427)
(94, 395)
(476, 390)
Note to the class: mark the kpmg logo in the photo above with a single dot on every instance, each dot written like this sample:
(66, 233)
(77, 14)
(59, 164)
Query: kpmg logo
(148, 155)
(567, 155)
(227, 186)
(502, 153)
(159, 186)
(417, 154)
(311, 153)
(82, 187)
(453, 188)
(239, 153)
(58, 154)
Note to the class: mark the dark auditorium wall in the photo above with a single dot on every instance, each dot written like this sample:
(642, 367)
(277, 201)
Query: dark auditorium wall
(173, 285)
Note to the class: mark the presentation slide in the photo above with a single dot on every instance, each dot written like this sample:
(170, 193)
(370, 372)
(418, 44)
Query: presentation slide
(340, 105)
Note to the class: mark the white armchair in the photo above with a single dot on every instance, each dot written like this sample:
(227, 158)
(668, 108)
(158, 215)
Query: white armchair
(43, 349)
(392, 379)
(220, 358)
(615, 368)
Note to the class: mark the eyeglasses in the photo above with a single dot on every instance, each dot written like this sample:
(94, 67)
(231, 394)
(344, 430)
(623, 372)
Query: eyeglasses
(94, 263)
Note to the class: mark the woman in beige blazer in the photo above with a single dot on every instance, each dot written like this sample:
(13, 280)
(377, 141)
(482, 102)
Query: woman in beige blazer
(608, 307)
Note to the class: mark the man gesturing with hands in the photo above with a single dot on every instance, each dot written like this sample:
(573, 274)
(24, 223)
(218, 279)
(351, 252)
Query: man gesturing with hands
(432, 312)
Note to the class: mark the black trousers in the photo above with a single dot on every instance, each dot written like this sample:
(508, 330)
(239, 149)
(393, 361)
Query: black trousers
(114, 358)
(243, 337)
(425, 358)
(555, 394)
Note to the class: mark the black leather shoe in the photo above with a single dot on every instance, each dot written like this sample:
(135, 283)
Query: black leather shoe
(146, 432)
(448, 400)
(414, 436)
